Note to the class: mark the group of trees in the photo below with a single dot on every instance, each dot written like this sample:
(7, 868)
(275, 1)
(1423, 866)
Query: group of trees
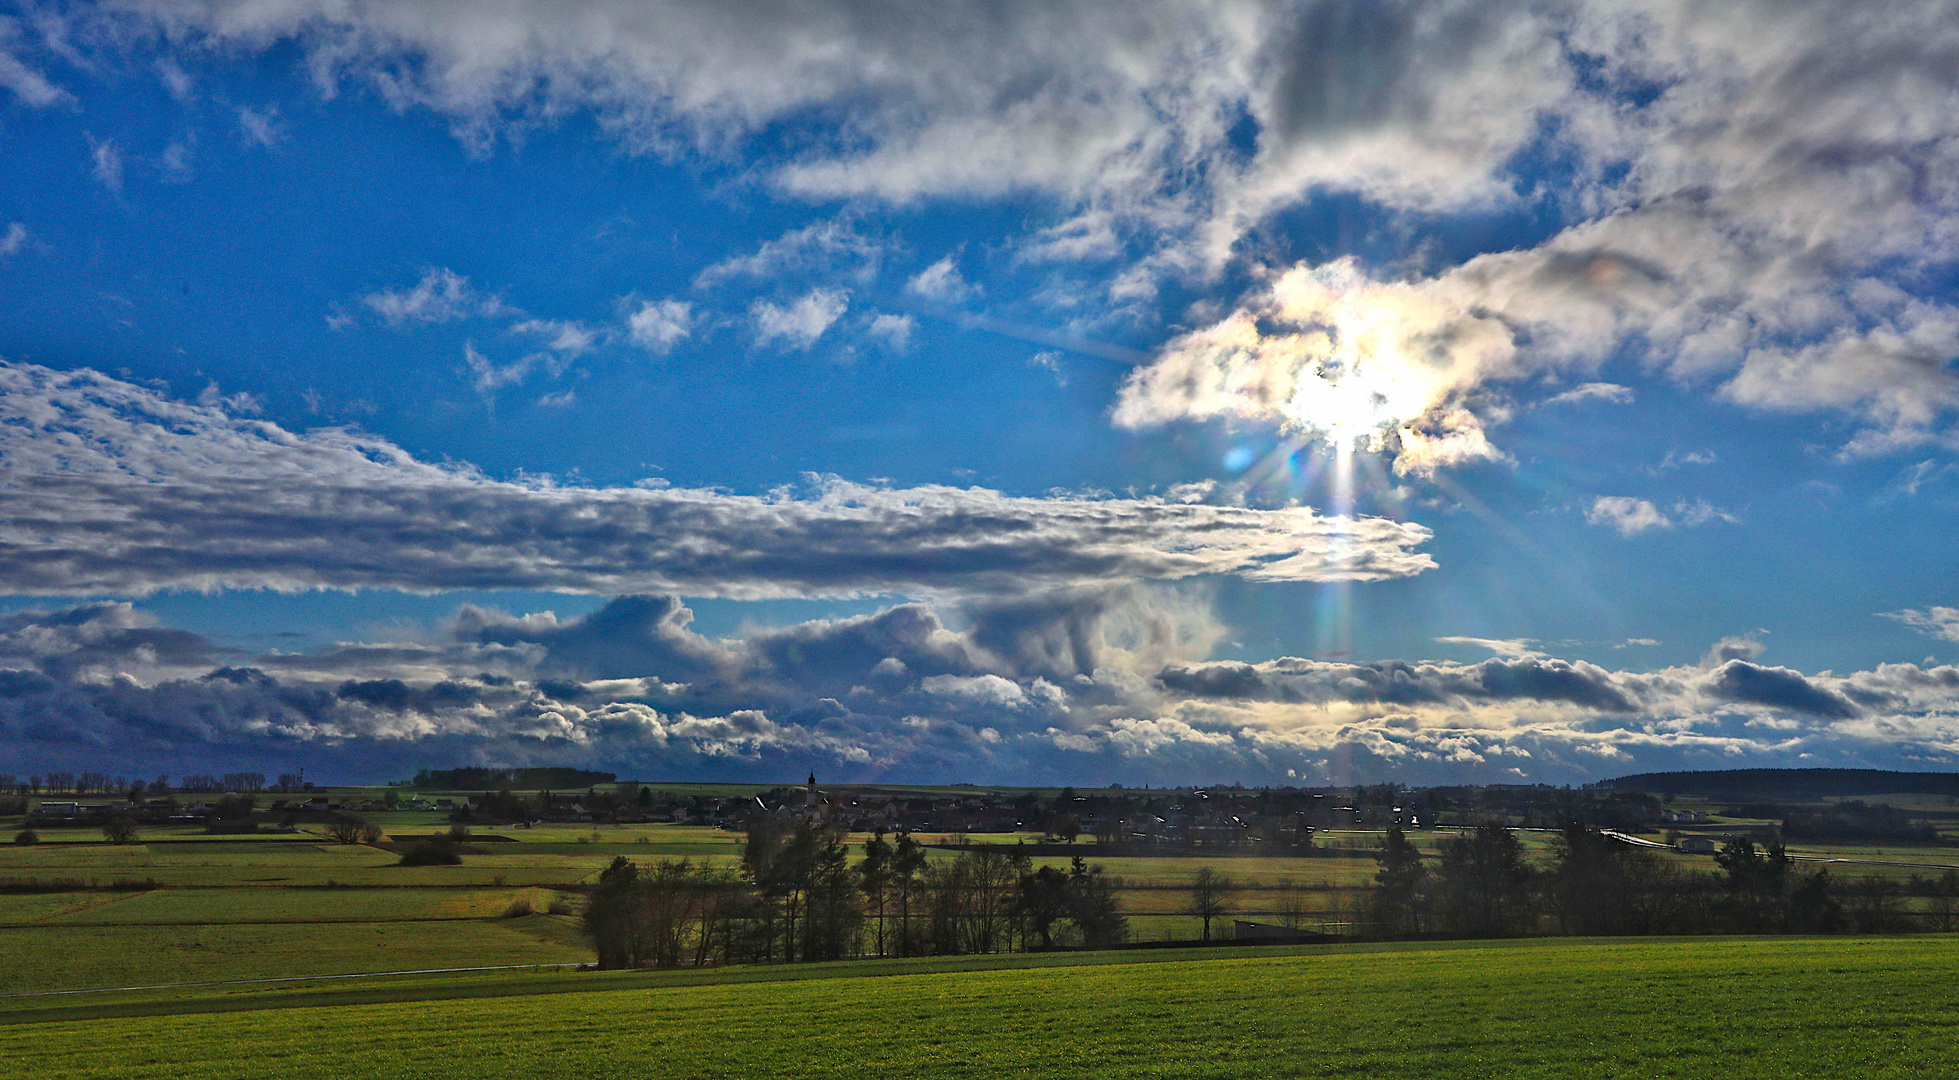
(801, 894)
(1482, 886)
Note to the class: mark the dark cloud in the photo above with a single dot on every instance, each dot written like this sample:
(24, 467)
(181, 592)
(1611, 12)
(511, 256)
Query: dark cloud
(1778, 688)
(1401, 683)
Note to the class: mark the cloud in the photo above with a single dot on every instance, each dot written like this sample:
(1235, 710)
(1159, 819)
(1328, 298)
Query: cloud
(14, 240)
(1731, 648)
(1049, 361)
(106, 160)
(1628, 515)
(803, 322)
(1739, 680)
(566, 337)
(1765, 215)
(902, 694)
(1518, 647)
(27, 85)
(113, 488)
(1939, 622)
(260, 126)
(1674, 459)
(894, 330)
(827, 248)
(1593, 391)
(658, 325)
(442, 295)
(1700, 512)
(940, 282)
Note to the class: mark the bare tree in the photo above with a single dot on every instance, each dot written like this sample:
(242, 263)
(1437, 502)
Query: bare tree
(1211, 895)
(120, 830)
(353, 829)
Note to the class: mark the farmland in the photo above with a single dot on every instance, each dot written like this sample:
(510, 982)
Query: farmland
(1652, 1008)
(269, 906)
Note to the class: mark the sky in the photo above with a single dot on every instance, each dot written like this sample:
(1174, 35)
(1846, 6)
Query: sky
(993, 392)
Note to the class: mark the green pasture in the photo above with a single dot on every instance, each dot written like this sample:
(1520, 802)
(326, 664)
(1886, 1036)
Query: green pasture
(1726, 1008)
(192, 906)
(73, 957)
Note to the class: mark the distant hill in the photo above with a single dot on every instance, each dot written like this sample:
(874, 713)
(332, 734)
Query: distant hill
(1788, 785)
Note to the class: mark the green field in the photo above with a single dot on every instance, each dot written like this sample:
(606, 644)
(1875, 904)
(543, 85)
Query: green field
(1726, 1008)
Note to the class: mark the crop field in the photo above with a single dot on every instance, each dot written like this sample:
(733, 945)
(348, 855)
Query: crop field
(1726, 1008)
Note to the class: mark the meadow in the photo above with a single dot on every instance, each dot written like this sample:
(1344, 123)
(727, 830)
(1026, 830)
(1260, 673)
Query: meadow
(294, 905)
(1721, 1007)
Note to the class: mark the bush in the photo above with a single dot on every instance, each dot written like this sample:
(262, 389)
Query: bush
(458, 834)
(120, 831)
(431, 853)
(25, 837)
(561, 906)
(518, 909)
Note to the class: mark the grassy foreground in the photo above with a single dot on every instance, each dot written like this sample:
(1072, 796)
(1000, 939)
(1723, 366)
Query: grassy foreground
(1727, 1008)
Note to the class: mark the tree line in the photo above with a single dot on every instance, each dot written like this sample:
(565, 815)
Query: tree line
(802, 894)
(1481, 885)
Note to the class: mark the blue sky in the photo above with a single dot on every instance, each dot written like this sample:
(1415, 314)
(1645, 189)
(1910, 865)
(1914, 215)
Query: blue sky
(1309, 393)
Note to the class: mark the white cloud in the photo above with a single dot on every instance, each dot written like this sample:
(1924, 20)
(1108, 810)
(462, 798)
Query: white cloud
(106, 162)
(145, 493)
(28, 86)
(1628, 515)
(1939, 622)
(1049, 361)
(895, 330)
(941, 282)
(1593, 391)
(442, 295)
(823, 249)
(1700, 512)
(803, 322)
(260, 126)
(1511, 647)
(14, 240)
(658, 325)
(566, 337)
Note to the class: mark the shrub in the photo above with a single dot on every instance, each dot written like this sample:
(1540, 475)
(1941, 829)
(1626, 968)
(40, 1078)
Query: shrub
(458, 833)
(431, 853)
(561, 906)
(519, 908)
(26, 837)
(122, 830)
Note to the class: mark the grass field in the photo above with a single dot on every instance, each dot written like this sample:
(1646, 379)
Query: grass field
(1726, 1008)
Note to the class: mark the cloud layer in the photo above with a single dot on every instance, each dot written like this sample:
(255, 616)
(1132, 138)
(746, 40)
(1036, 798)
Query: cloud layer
(114, 488)
(1089, 686)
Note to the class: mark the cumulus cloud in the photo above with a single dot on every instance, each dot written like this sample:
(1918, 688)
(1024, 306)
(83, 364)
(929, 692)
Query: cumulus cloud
(14, 239)
(1628, 515)
(800, 324)
(114, 488)
(658, 325)
(941, 282)
(894, 330)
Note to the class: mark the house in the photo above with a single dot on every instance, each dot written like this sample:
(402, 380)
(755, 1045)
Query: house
(1697, 845)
